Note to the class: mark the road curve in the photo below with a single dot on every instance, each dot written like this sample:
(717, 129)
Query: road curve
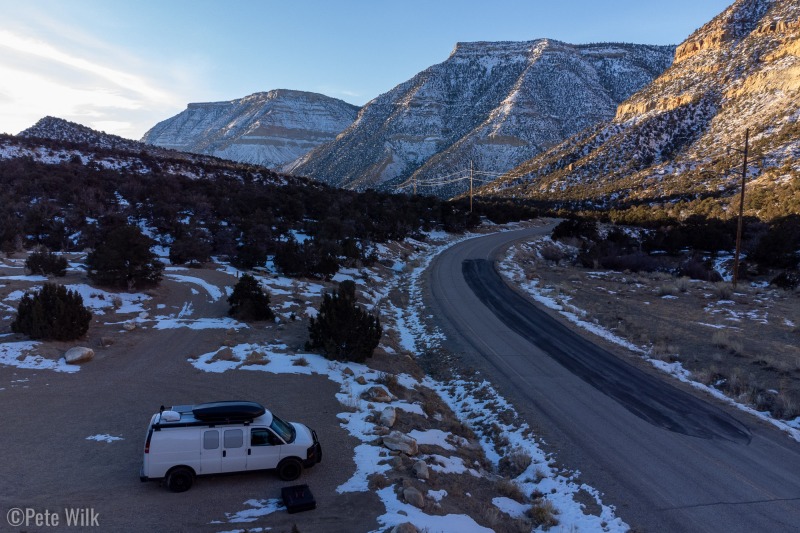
(669, 459)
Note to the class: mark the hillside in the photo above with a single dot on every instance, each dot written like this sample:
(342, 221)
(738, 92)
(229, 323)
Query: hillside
(494, 104)
(269, 129)
(669, 144)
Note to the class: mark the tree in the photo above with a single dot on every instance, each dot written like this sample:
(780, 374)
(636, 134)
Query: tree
(192, 247)
(43, 263)
(249, 301)
(123, 259)
(342, 330)
(54, 313)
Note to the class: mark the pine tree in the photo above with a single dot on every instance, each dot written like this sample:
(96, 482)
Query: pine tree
(43, 263)
(123, 259)
(249, 301)
(342, 330)
(54, 313)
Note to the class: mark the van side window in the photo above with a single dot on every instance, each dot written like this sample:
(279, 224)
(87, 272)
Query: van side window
(234, 438)
(259, 437)
(211, 439)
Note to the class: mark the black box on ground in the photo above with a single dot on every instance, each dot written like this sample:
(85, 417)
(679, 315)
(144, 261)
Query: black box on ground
(298, 498)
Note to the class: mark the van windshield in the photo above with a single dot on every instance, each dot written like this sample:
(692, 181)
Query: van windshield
(283, 429)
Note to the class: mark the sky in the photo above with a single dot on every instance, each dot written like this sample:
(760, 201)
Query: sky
(122, 67)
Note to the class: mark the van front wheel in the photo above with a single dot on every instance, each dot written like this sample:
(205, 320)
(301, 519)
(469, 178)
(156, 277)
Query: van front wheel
(290, 469)
(180, 479)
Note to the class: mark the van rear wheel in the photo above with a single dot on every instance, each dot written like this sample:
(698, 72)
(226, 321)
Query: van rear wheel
(290, 469)
(180, 479)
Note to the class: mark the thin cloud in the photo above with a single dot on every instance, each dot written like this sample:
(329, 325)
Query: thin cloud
(46, 51)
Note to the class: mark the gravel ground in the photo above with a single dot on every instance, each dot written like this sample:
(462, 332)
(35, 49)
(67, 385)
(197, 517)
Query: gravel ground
(49, 464)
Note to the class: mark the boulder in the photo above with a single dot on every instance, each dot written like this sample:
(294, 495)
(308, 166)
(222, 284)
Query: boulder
(348, 371)
(361, 381)
(129, 325)
(388, 417)
(377, 394)
(78, 354)
(401, 442)
(405, 527)
(414, 497)
(420, 470)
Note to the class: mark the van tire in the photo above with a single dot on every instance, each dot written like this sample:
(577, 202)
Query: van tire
(290, 469)
(180, 479)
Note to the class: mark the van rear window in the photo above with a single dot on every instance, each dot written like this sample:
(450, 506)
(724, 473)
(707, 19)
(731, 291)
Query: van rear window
(211, 439)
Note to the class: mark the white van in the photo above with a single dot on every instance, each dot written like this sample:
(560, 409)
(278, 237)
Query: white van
(234, 436)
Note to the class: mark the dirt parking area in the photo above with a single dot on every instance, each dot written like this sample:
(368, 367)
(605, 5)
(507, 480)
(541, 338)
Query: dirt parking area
(49, 465)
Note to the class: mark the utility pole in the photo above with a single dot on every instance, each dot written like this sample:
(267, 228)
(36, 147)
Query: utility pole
(741, 213)
(470, 186)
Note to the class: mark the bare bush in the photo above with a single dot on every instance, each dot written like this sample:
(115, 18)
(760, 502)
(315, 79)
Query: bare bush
(543, 514)
(723, 338)
(515, 462)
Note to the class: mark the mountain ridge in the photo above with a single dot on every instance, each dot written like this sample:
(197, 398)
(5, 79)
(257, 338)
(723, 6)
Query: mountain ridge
(270, 128)
(495, 103)
(740, 71)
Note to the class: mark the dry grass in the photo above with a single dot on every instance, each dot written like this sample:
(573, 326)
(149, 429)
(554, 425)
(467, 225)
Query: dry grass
(515, 462)
(509, 489)
(543, 514)
(743, 342)
(300, 361)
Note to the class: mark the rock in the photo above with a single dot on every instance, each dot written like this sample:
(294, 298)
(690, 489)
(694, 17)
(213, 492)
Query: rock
(361, 381)
(348, 371)
(405, 527)
(377, 394)
(78, 354)
(381, 430)
(388, 417)
(129, 325)
(400, 442)
(396, 462)
(420, 470)
(106, 341)
(414, 497)
(144, 315)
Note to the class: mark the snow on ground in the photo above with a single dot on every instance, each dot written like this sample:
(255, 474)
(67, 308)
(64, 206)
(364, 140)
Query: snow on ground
(408, 324)
(104, 437)
(19, 354)
(398, 512)
(214, 292)
(513, 273)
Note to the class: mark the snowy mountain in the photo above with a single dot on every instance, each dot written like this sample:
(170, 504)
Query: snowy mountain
(740, 71)
(270, 128)
(55, 141)
(58, 129)
(494, 104)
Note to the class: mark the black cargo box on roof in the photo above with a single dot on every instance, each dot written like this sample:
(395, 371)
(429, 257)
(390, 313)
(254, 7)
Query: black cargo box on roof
(230, 410)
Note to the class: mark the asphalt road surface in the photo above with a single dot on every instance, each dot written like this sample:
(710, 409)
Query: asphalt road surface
(669, 458)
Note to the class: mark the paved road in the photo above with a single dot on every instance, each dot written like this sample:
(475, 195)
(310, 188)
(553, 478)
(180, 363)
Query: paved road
(669, 459)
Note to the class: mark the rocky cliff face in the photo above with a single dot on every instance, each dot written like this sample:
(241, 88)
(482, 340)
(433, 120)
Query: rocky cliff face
(492, 105)
(671, 140)
(269, 129)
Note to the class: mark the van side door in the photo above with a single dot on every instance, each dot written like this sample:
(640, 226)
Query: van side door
(265, 449)
(210, 452)
(234, 450)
